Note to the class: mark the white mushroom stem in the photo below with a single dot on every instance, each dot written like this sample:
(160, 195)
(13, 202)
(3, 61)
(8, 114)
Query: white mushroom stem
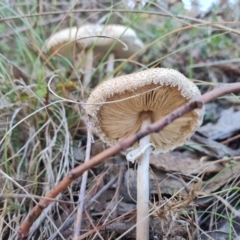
(143, 187)
(110, 65)
(88, 68)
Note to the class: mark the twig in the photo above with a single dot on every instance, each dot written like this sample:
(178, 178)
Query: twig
(105, 188)
(231, 139)
(78, 222)
(19, 195)
(93, 225)
(179, 180)
(70, 221)
(90, 232)
(222, 90)
(119, 182)
(122, 145)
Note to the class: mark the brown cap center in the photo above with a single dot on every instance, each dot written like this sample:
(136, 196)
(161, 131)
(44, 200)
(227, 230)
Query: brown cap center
(144, 115)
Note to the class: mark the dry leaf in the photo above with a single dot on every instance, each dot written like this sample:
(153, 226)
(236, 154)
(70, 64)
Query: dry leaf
(227, 124)
(211, 147)
(185, 163)
(168, 185)
(227, 174)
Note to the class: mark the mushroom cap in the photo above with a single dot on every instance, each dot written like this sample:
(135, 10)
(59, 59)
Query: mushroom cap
(126, 35)
(64, 42)
(116, 107)
(79, 40)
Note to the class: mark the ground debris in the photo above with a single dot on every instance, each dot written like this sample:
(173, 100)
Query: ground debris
(183, 162)
(227, 174)
(211, 148)
(158, 179)
(226, 126)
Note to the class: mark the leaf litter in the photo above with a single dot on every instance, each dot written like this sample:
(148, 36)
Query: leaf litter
(226, 126)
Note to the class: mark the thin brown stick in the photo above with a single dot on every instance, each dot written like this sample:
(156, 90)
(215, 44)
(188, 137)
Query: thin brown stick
(93, 225)
(230, 139)
(19, 195)
(70, 221)
(122, 145)
(222, 90)
(116, 198)
(78, 221)
(90, 232)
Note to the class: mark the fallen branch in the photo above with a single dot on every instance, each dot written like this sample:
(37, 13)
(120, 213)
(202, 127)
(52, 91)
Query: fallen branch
(120, 146)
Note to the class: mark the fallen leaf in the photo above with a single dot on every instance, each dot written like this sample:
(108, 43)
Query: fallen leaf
(123, 207)
(225, 175)
(211, 147)
(167, 185)
(185, 163)
(225, 127)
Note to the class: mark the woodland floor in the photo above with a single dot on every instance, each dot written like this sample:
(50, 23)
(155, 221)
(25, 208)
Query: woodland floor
(193, 189)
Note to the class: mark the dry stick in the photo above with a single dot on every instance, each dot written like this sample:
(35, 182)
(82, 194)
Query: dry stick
(122, 145)
(90, 232)
(119, 182)
(70, 221)
(93, 225)
(231, 139)
(78, 222)
(100, 192)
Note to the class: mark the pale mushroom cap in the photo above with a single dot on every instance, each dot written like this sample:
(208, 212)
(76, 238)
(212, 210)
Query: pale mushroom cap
(115, 107)
(81, 38)
(111, 32)
(126, 35)
(64, 42)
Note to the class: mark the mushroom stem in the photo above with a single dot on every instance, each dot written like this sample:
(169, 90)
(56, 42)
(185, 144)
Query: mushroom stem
(110, 65)
(143, 187)
(88, 68)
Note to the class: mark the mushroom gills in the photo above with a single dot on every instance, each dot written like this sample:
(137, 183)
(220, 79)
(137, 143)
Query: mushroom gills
(155, 102)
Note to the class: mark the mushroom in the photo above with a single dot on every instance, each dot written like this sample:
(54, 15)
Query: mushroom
(123, 106)
(67, 43)
(126, 35)
(87, 37)
(106, 39)
(64, 42)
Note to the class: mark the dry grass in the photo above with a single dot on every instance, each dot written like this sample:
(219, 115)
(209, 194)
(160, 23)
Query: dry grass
(43, 135)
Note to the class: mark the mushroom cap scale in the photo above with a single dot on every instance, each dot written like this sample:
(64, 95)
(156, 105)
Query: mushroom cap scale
(116, 107)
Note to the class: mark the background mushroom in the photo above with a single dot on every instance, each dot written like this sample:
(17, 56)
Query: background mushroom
(67, 43)
(117, 50)
(86, 39)
(64, 42)
(123, 106)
